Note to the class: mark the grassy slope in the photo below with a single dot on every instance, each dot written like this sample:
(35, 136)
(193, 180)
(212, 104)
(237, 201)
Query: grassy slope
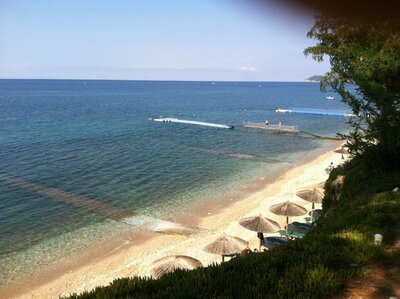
(316, 266)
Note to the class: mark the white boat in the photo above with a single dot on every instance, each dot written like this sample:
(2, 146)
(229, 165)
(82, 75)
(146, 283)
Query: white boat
(330, 98)
(350, 115)
(280, 110)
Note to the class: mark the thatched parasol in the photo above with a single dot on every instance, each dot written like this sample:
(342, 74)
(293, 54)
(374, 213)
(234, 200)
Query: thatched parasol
(343, 151)
(314, 195)
(260, 224)
(226, 245)
(288, 209)
(171, 263)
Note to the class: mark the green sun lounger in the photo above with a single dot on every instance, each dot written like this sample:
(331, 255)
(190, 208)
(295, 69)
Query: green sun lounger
(309, 219)
(316, 211)
(292, 234)
(272, 242)
(316, 215)
(293, 227)
(302, 225)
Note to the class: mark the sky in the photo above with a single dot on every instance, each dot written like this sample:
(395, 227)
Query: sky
(206, 40)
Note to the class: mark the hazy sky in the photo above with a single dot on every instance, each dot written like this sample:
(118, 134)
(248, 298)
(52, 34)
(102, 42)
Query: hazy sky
(153, 40)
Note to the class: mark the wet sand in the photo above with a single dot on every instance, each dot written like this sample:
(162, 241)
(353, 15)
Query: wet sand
(133, 254)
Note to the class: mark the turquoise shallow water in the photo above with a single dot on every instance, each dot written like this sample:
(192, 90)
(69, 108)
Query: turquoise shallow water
(78, 156)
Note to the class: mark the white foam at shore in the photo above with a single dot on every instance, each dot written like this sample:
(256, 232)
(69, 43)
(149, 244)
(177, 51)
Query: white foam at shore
(158, 225)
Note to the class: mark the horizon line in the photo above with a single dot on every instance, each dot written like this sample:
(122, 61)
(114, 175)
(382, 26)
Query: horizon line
(161, 80)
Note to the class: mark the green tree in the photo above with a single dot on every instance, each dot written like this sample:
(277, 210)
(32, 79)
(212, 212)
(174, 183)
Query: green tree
(365, 71)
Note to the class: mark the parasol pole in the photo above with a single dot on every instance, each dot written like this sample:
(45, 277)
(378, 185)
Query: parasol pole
(287, 226)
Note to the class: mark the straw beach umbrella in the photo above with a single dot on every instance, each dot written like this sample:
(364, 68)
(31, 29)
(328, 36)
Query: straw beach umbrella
(287, 209)
(171, 263)
(343, 151)
(226, 245)
(260, 224)
(314, 195)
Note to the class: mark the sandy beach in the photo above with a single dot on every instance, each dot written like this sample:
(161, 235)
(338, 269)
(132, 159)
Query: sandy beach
(134, 257)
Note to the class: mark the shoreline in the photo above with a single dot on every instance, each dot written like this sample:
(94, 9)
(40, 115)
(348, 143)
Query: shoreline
(133, 255)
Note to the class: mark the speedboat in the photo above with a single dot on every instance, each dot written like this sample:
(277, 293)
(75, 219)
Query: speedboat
(280, 110)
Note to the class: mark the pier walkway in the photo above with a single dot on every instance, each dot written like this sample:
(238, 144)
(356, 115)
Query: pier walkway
(287, 130)
(279, 128)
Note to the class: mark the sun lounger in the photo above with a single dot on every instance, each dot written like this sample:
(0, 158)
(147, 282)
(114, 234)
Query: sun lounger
(309, 219)
(303, 225)
(292, 234)
(272, 242)
(298, 228)
(317, 213)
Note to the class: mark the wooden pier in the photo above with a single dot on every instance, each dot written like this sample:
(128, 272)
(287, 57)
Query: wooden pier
(287, 130)
(278, 128)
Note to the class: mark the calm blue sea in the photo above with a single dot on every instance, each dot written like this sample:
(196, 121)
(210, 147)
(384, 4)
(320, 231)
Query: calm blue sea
(78, 156)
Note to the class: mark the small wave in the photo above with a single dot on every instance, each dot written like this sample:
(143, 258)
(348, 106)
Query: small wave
(160, 226)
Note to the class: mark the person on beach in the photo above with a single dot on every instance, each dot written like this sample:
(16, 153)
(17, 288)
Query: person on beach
(266, 122)
(339, 186)
(329, 168)
(260, 236)
(246, 251)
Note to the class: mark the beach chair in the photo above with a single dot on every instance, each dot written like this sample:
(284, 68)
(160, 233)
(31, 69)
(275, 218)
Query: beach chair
(306, 226)
(273, 242)
(291, 234)
(317, 214)
(312, 220)
(309, 219)
(299, 227)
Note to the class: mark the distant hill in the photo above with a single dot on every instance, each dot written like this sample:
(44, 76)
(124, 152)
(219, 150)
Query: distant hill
(315, 78)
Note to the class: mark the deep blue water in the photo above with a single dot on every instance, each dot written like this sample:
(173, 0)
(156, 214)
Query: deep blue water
(91, 142)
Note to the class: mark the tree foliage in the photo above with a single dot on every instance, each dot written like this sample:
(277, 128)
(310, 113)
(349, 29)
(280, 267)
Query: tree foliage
(365, 71)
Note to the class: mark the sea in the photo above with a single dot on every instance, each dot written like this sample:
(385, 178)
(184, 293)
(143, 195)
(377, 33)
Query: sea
(79, 157)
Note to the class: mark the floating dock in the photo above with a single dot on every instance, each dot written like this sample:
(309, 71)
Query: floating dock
(279, 128)
(190, 122)
(315, 111)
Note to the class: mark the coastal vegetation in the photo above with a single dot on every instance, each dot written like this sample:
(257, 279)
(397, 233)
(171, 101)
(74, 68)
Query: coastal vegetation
(365, 56)
(342, 243)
